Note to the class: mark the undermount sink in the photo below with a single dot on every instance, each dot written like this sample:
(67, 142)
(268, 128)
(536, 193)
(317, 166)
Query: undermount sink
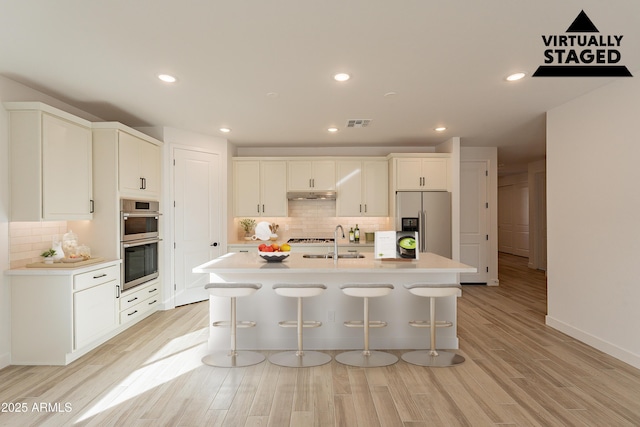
(331, 256)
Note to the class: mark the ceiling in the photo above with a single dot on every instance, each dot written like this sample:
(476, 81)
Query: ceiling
(264, 68)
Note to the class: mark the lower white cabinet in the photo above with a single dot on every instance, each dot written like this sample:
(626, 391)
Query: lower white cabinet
(59, 314)
(139, 301)
(94, 313)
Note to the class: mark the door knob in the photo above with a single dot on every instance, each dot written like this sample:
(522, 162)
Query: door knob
(214, 244)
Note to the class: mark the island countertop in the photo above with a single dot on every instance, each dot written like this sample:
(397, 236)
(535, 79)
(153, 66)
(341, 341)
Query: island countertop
(332, 307)
(243, 262)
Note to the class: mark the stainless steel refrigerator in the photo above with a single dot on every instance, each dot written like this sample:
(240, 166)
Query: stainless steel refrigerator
(428, 213)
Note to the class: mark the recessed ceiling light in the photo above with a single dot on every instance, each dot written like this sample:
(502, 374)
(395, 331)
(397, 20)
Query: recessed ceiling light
(332, 130)
(225, 130)
(167, 78)
(341, 77)
(440, 129)
(515, 76)
(272, 95)
(390, 94)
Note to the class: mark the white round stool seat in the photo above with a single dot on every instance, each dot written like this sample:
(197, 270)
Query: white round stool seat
(366, 357)
(366, 290)
(433, 357)
(434, 290)
(233, 358)
(232, 289)
(299, 358)
(299, 290)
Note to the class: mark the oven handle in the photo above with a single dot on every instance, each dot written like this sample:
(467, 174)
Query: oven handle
(141, 214)
(140, 242)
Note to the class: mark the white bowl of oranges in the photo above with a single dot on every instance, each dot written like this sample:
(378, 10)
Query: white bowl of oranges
(274, 252)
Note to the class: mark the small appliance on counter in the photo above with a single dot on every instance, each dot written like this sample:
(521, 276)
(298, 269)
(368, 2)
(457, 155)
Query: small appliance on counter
(396, 245)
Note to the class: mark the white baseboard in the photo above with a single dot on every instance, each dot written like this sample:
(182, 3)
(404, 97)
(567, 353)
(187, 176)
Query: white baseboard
(5, 360)
(604, 346)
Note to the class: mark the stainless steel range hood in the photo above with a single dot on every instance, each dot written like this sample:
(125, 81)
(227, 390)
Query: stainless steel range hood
(311, 195)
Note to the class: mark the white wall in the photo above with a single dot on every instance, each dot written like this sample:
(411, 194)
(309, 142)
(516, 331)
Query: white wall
(593, 223)
(13, 91)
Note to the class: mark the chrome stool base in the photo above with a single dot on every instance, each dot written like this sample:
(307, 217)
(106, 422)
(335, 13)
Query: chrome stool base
(425, 358)
(291, 359)
(372, 360)
(223, 359)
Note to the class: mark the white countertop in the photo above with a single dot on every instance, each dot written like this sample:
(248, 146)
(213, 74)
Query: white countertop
(60, 271)
(295, 263)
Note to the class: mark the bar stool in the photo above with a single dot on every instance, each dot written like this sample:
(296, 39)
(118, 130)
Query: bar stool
(233, 358)
(299, 358)
(432, 357)
(366, 357)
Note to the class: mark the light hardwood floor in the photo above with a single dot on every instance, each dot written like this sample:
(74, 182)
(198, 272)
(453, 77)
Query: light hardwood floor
(518, 372)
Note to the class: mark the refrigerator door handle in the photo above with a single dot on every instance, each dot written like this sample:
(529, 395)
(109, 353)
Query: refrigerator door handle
(423, 231)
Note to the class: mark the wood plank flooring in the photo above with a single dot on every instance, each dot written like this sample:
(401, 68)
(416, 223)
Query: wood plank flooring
(518, 372)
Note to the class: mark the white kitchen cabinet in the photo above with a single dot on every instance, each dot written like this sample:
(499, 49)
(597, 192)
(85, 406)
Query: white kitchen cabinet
(422, 174)
(94, 313)
(362, 188)
(260, 188)
(139, 302)
(51, 164)
(311, 175)
(138, 166)
(60, 314)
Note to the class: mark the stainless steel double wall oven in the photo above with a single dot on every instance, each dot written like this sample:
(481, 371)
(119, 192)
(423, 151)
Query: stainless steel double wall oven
(139, 241)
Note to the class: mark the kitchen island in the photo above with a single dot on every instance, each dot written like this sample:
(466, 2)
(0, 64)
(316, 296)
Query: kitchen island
(333, 307)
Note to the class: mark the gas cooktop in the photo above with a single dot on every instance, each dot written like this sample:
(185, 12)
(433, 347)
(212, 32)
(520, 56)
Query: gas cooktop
(311, 240)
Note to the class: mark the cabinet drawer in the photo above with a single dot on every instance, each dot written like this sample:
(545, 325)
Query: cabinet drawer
(96, 277)
(128, 300)
(150, 304)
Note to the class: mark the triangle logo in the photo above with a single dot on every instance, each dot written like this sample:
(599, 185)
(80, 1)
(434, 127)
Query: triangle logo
(581, 53)
(582, 24)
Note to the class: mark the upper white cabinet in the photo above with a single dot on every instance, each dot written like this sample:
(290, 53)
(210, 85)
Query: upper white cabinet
(51, 164)
(314, 175)
(260, 187)
(422, 174)
(138, 166)
(362, 188)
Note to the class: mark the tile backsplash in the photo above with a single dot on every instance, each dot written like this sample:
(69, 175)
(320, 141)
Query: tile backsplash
(27, 240)
(316, 218)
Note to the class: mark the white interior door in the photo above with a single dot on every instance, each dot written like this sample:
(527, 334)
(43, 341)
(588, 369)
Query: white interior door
(513, 219)
(474, 246)
(197, 220)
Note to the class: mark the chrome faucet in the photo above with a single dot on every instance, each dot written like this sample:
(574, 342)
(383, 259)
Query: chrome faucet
(335, 241)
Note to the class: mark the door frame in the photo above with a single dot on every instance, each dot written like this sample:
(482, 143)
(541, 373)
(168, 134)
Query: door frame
(490, 155)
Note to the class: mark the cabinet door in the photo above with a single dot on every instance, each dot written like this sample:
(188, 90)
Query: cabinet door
(66, 170)
(246, 185)
(375, 188)
(434, 172)
(409, 174)
(129, 174)
(299, 175)
(150, 168)
(273, 191)
(94, 313)
(349, 188)
(324, 175)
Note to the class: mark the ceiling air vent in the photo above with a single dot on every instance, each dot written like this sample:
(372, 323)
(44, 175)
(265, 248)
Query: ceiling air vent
(358, 123)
